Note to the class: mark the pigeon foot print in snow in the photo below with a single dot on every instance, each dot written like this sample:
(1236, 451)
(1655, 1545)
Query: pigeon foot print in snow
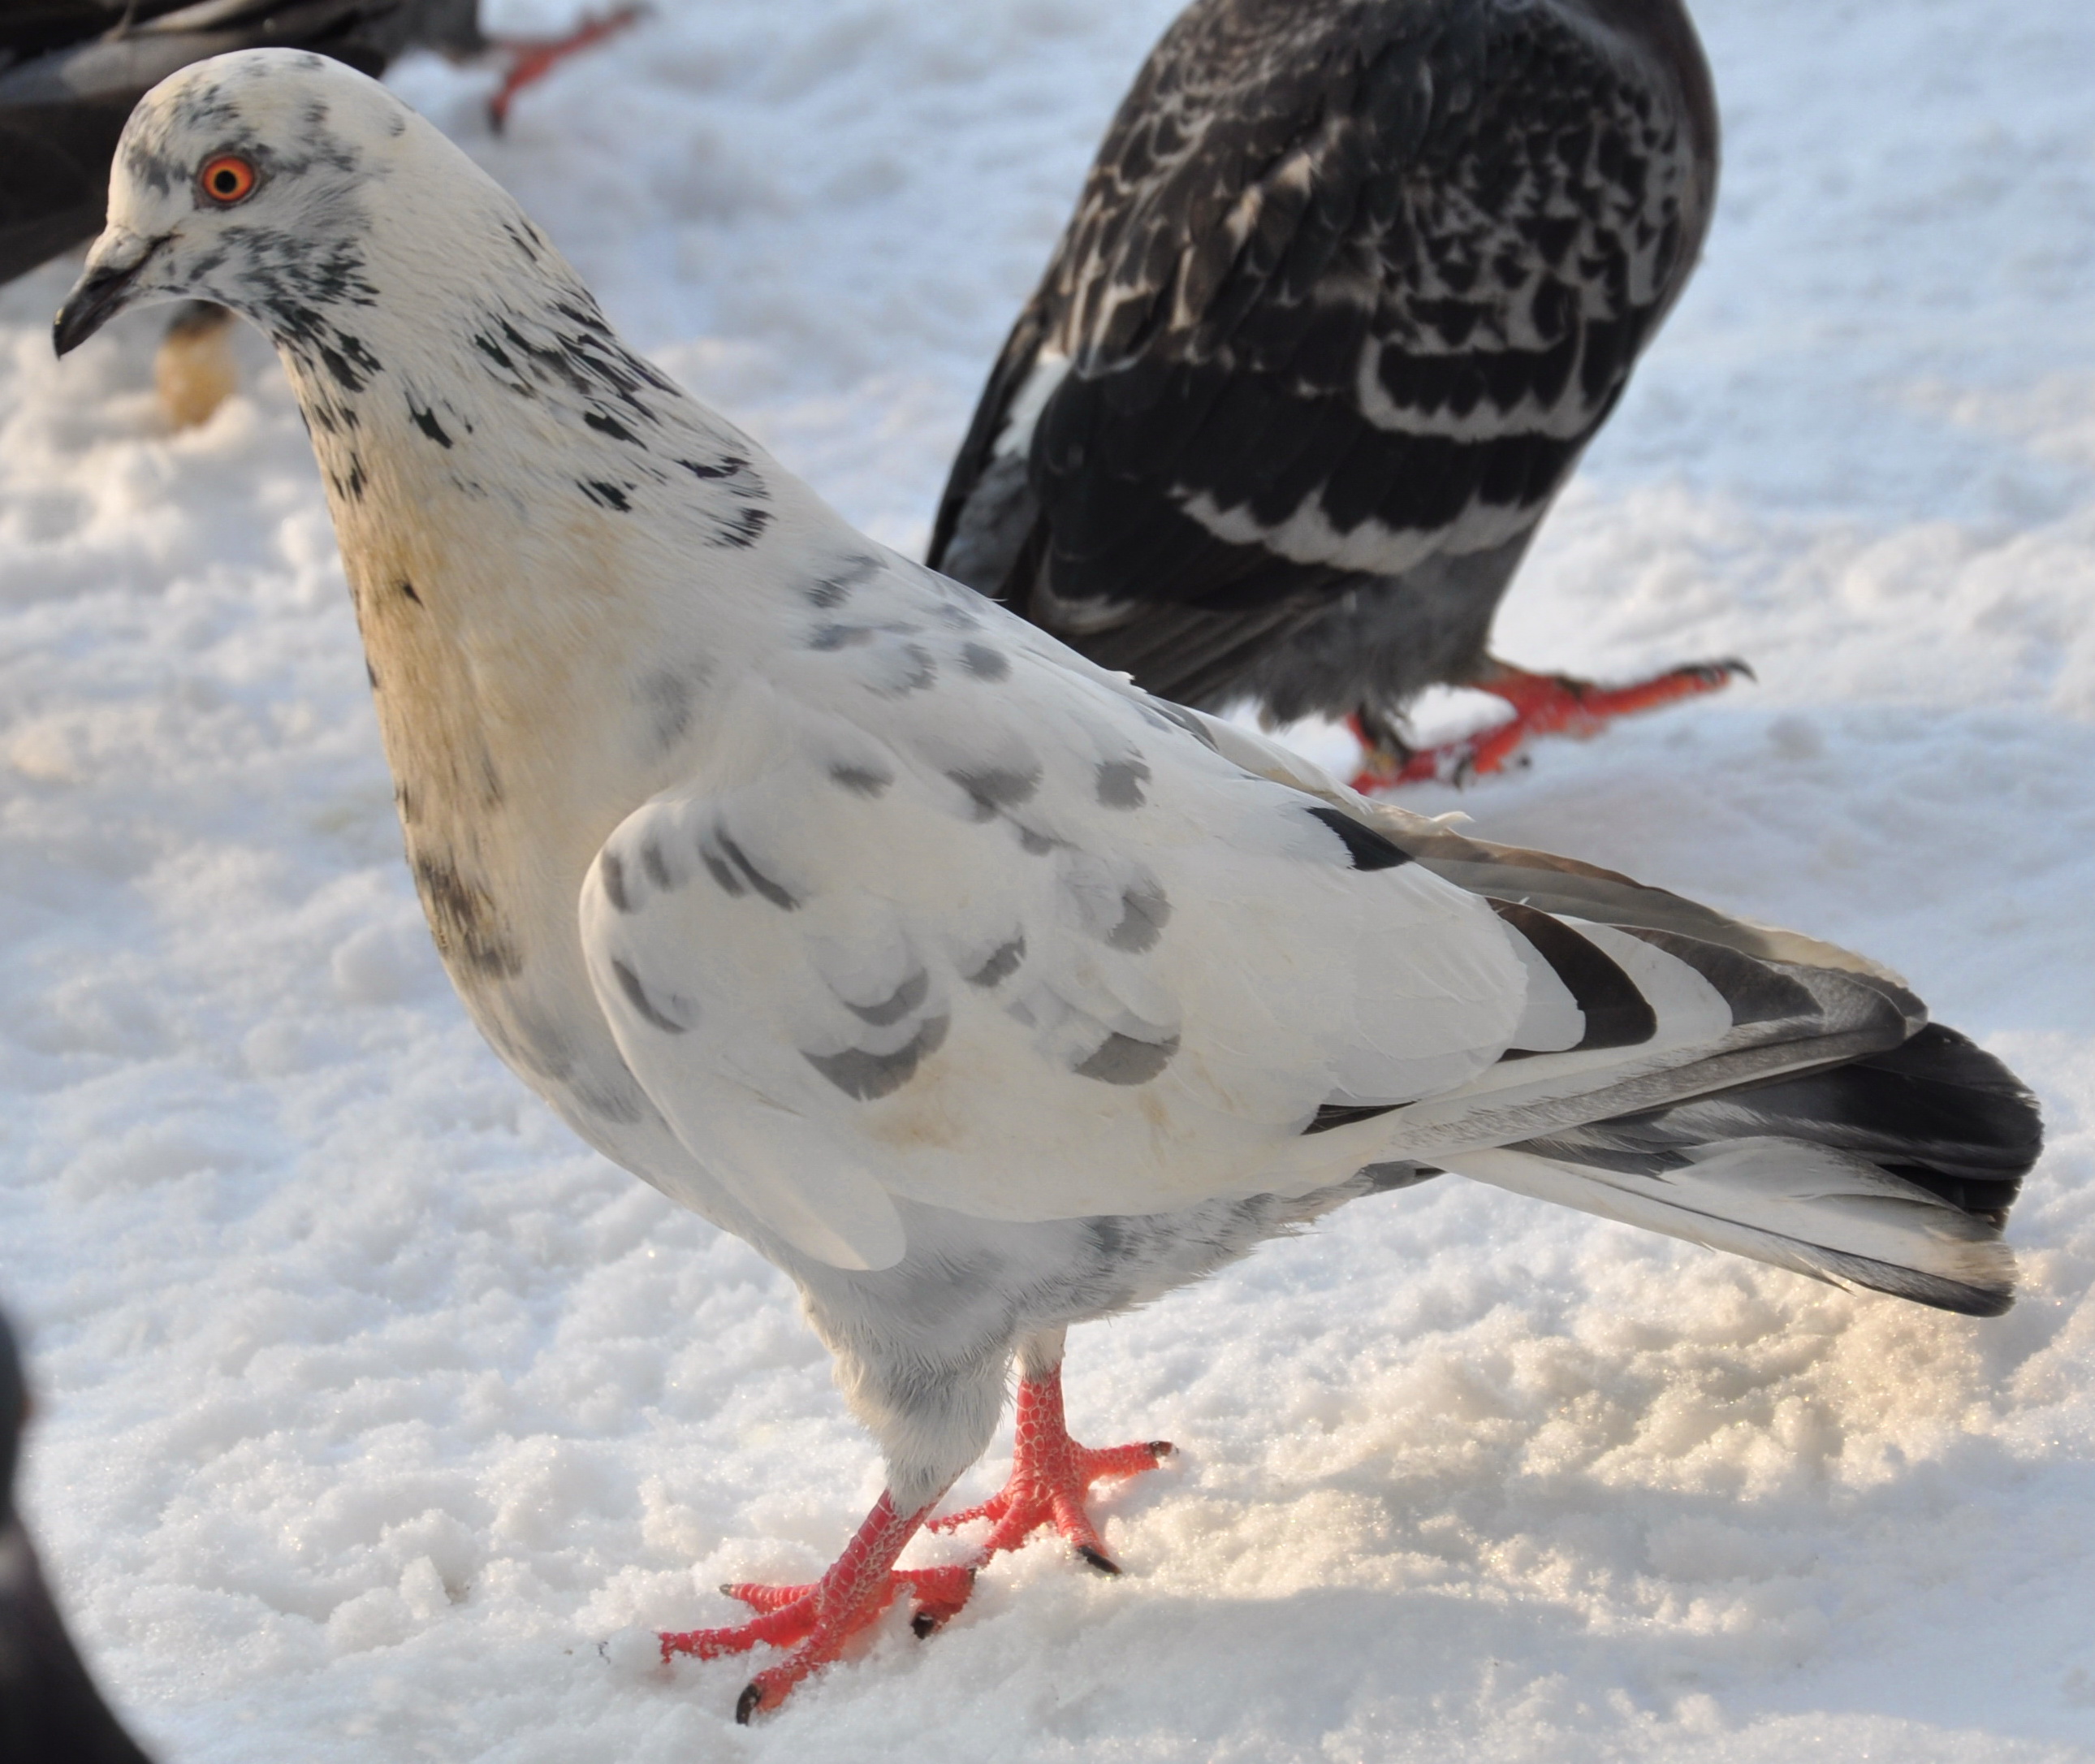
(1543, 704)
(532, 58)
(818, 1620)
(1052, 1477)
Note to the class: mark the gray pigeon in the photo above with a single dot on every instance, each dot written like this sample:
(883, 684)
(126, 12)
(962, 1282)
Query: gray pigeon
(981, 990)
(1351, 285)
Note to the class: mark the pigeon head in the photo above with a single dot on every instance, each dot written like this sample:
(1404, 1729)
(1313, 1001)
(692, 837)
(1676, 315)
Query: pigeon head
(245, 180)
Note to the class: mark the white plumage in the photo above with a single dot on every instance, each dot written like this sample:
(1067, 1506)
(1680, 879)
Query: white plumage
(981, 991)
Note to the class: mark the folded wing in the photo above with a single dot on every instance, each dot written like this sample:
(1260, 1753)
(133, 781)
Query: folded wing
(956, 918)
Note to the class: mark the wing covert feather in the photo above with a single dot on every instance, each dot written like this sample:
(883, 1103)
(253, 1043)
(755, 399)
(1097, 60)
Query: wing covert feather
(950, 921)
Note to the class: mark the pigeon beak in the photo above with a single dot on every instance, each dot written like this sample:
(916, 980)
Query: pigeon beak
(104, 288)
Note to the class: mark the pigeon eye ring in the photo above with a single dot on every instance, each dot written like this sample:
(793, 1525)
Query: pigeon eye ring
(227, 179)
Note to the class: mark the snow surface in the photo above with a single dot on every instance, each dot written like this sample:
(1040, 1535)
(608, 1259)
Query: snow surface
(372, 1402)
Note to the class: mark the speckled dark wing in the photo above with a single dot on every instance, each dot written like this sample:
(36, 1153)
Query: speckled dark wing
(72, 70)
(1349, 287)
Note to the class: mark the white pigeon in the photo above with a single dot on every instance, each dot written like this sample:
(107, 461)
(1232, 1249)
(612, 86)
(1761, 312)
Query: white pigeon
(982, 992)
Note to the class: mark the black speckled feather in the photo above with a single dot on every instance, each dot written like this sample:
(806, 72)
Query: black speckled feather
(1350, 286)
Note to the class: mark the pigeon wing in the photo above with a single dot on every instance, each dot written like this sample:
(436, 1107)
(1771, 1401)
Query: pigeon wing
(951, 919)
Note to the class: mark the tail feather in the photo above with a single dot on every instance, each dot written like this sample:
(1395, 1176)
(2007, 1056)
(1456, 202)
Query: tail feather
(1816, 1120)
(1893, 1172)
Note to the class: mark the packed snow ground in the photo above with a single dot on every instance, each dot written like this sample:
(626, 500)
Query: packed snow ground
(372, 1402)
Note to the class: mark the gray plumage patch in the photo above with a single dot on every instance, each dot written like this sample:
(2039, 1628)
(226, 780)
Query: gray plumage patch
(1120, 783)
(1035, 844)
(918, 672)
(870, 1075)
(1165, 715)
(1145, 910)
(831, 591)
(1003, 963)
(985, 663)
(861, 780)
(897, 1005)
(1122, 1059)
(730, 866)
(993, 788)
(742, 528)
(636, 996)
(668, 697)
(1383, 1178)
(611, 426)
(717, 867)
(657, 866)
(611, 873)
(1755, 991)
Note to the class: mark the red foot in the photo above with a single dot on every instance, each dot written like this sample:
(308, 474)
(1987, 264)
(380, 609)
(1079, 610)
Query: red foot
(1051, 1477)
(816, 1621)
(532, 58)
(1543, 704)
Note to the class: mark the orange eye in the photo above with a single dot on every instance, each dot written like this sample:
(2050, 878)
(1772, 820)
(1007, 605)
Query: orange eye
(226, 180)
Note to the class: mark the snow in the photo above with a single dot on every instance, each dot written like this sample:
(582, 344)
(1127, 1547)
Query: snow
(371, 1402)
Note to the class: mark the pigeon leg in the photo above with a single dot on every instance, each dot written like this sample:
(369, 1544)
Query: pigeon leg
(1051, 1476)
(1543, 704)
(816, 1621)
(532, 58)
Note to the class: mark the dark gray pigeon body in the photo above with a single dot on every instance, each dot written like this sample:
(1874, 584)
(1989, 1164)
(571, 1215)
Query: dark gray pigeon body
(1350, 286)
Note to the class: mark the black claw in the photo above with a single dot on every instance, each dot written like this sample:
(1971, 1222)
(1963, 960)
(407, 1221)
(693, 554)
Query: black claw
(727, 1588)
(748, 1703)
(1162, 1448)
(925, 1623)
(1098, 1559)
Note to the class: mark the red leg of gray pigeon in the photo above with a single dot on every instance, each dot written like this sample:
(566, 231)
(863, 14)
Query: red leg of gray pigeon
(816, 1621)
(1051, 1476)
(1543, 704)
(532, 58)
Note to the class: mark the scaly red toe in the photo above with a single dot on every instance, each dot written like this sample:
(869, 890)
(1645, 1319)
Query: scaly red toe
(1051, 1479)
(818, 1620)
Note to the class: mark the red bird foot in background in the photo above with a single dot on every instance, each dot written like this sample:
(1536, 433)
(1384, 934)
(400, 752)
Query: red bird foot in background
(1543, 704)
(1052, 1477)
(532, 58)
(816, 1621)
